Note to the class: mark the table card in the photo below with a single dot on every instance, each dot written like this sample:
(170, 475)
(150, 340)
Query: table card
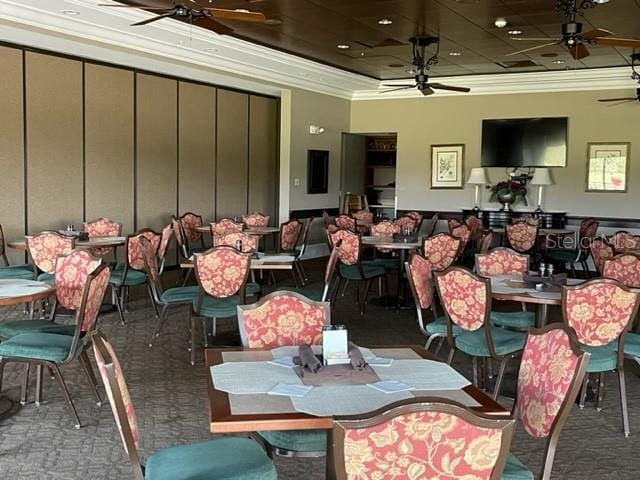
(335, 345)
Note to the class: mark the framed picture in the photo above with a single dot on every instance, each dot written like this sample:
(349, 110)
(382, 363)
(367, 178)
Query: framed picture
(447, 166)
(608, 167)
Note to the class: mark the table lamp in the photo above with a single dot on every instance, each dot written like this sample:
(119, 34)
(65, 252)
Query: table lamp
(477, 177)
(541, 178)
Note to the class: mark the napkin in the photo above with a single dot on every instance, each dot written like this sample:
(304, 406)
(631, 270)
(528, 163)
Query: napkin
(390, 386)
(356, 358)
(286, 361)
(308, 359)
(290, 390)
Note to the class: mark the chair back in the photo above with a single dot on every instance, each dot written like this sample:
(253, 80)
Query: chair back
(178, 233)
(453, 223)
(71, 274)
(623, 241)
(305, 237)
(95, 289)
(421, 439)
(417, 217)
(330, 270)
(502, 261)
(385, 228)
(587, 235)
(326, 219)
(45, 248)
(346, 221)
(222, 271)
(465, 297)
(102, 227)
(3, 252)
(624, 268)
(433, 224)
(248, 243)
(282, 319)
(165, 238)
(476, 226)
(600, 252)
(463, 232)
(224, 226)
(522, 236)
(289, 234)
(584, 224)
(405, 222)
(331, 228)
(135, 257)
(190, 221)
(485, 242)
(528, 219)
(151, 266)
(441, 250)
(256, 219)
(420, 276)
(363, 216)
(599, 311)
(119, 398)
(350, 247)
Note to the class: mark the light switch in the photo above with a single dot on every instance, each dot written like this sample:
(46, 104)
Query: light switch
(296, 182)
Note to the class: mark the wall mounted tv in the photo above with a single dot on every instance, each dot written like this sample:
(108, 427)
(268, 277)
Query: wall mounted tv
(524, 142)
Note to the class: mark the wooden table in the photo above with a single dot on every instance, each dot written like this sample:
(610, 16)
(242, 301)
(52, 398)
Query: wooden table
(257, 231)
(95, 242)
(255, 264)
(222, 420)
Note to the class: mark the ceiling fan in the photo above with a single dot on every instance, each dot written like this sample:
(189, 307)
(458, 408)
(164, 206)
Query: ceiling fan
(572, 36)
(192, 12)
(623, 100)
(419, 45)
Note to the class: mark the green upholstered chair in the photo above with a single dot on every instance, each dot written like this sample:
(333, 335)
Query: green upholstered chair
(221, 273)
(383, 256)
(8, 271)
(601, 311)
(466, 299)
(44, 248)
(259, 327)
(53, 350)
(223, 458)
(580, 253)
(193, 238)
(551, 372)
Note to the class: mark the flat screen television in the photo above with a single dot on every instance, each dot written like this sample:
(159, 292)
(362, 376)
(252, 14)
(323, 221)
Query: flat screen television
(524, 142)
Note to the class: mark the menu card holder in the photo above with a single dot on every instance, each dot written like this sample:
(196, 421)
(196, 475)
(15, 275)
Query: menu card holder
(335, 347)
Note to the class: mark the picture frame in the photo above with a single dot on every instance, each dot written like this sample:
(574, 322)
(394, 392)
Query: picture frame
(608, 167)
(447, 166)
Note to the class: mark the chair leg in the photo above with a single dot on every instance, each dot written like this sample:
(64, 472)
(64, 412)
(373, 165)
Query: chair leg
(573, 270)
(153, 302)
(24, 384)
(304, 272)
(439, 347)
(156, 330)
(39, 379)
(93, 382)
(503, 366)
(2, 364)
(451, 353)
(583, 391)
(623, 401)
(344, 289)
(600, 391)
(67, 397)
(116, 298)
(585, 267)
(186, 276)
(430, 340)
(475, 371)
(193, 340)
(363, 301)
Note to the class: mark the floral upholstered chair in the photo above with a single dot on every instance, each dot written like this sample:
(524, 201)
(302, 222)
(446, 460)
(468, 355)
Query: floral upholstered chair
(463, 232)
(624, 241)
(194, 238)
(385, 228)
(466, 299)
(601, 311)
(551, 372)
(223, 458)
(453, 223)
(406, 222)
(102, 227)
(580, 254)
(476, 226)
(44, 249)
(248, 243)
(7, 271)
(256, 219)
(221, 273)
(427, 439)
(224, 226)
(485, 242)
(346, 221)
(132, 273)
(624, 268)
(53, 350)
(351, 268)
(165, 238)
(420, 276)
(417, 218)
(522, 236)
(600, 252)
(289, 235)
(441, 250)
(363, 218)
(178, 234)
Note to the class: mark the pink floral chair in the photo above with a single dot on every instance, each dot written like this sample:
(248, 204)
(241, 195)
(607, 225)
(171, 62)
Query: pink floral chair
(207, 459)
(417, 218)
(256, 219)
(624, 241)
(463, 232)
(385, 228)
(289, 235)
(190, 222)
(316, 294)
(44, 249)
(485, 242)
(346, 221)
(522, 236)
(432, 225)
(453, 223)
(8, 271)
(441, 250)
(476, 226)
(222, 274)
(549, 379)
(248, 243)
(224, 226)
(365, 217)
(624, 268)
(600, 252)
(102, 227)
(406, 222)
(421, 439)
(165, 238)
(600, 312)
(178, 234)
(466, 299)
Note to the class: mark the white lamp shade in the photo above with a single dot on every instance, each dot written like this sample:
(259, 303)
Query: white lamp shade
(478, 176)
(542, 176)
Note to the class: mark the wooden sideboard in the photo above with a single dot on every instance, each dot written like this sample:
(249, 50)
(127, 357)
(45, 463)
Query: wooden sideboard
(498, 218)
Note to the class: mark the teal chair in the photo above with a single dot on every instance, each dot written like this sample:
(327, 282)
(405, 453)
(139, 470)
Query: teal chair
(223, 458)
(580, 253)
(8, 271)
(194, 239)
(384, 257)
(53, 350)
(551, 372)
(466, 299)
(44, 249)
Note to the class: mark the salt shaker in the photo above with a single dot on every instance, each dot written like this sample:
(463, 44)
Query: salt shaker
(550, 269)
(542, 269)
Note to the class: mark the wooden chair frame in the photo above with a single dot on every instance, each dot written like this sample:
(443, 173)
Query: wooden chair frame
(432, 225)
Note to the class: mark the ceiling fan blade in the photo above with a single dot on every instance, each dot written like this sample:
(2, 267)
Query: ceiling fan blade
(397, 89)
(427, 91)
(241, 15)
(440, 86)
(621, 103)
(153, 19)
(532, 48)
(578, 51)
(618, 42)
(210, 24)
(400, 85)
(533, 39)
(626, 99)
(141, 7)
(598, 32)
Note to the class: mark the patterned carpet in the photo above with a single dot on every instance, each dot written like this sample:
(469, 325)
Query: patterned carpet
(170, 398)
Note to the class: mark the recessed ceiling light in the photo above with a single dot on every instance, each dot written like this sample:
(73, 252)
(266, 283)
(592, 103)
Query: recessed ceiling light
(558, 62)
(343, 46)
(515, 32)
(411, 71)
(500, 22)
(71, 12)
(455, 54)
(385, 21)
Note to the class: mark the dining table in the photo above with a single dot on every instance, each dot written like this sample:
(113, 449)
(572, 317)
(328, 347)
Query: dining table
(257, 231)
(94, 242)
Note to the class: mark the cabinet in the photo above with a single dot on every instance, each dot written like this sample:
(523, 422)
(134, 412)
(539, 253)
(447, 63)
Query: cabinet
(380, 174)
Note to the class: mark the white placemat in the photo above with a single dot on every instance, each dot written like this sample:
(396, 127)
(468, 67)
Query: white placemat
(250, 377)
(18, 288)
(423, 375)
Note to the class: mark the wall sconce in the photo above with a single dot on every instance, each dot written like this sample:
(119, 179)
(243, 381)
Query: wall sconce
(316, 130)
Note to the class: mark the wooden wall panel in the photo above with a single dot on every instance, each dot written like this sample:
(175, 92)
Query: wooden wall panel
(54, 141)
(11, 149)
(197, 150)
(263, 155)
(157, 147)
(109, 144)
(232, 160)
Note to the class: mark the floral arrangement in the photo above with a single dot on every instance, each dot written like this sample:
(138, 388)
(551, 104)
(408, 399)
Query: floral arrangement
(508, 188)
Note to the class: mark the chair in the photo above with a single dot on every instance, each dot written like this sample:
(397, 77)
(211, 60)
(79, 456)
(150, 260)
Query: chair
(600, 311)
(189, 222)
(44, 249)
(221, 273)
(256, 219)
(421, 438)
(346, 221)
(420, 276)
(522, 236)
(304, 238)
(132, 273)
(463, 232)
(8, 271)
(406, 223)
(441, 250)
(453, 223)
(178, 234)
(625, 268)
(365, 217)
(385, 228)
(53, 350)
(289, 235)
(224, 226)
(623, 241)
(549, 379)
(351, 267)
(485, 242)
(165, 238)
(327, 219)
(102, 227)
(247, 243)
(579, 255)
(600, 252)
(417, 217)
(314, 293)
(476, 226)
(223, 458)
(466, 299)
(432, 225)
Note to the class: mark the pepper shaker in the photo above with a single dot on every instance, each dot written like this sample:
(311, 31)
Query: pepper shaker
(542, 269)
